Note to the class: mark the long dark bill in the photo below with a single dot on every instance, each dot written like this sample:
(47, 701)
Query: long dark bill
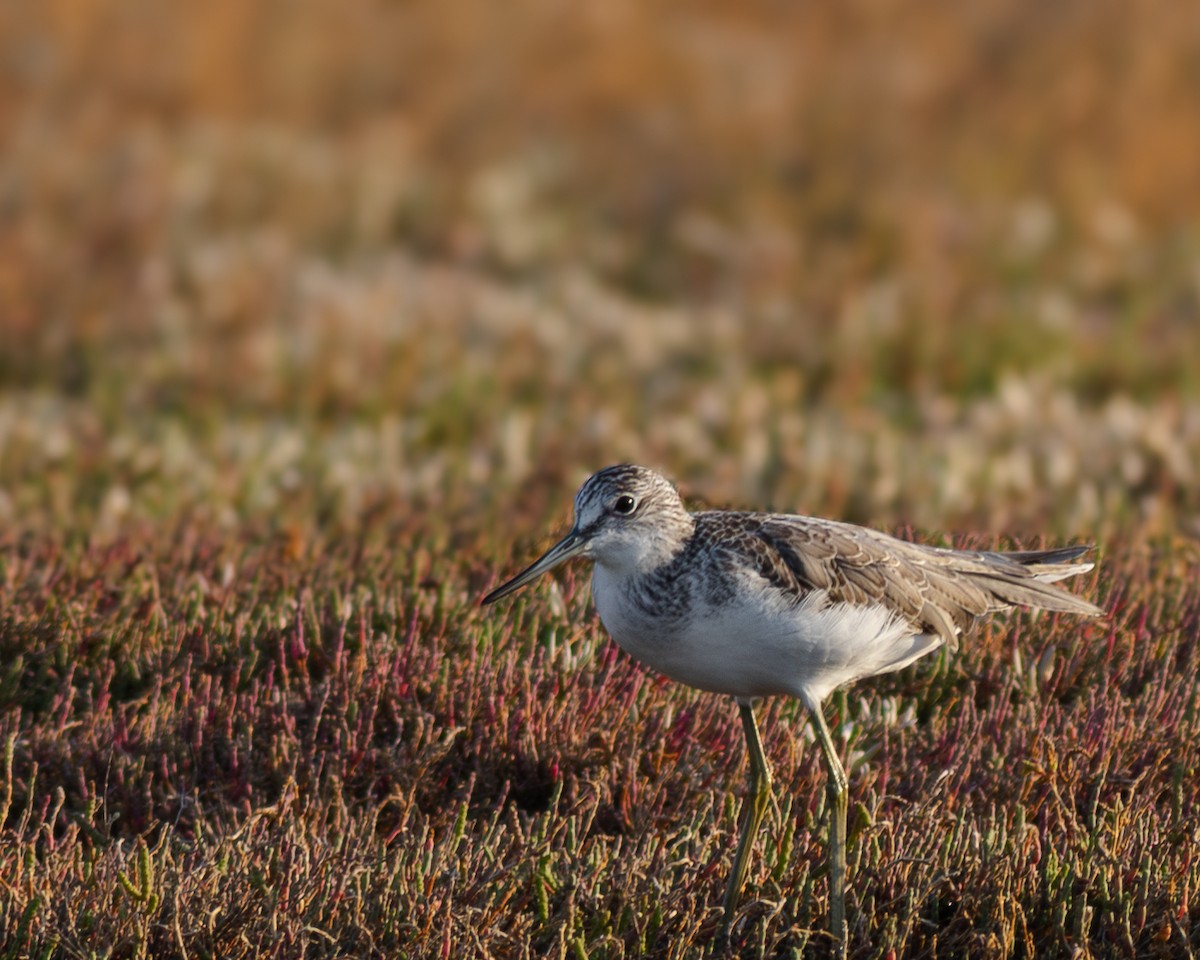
(569, 546)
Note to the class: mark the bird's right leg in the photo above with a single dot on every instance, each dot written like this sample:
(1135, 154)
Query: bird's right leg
(754, 806)
(837, 789)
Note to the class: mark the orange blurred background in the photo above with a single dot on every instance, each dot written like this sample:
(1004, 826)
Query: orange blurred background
(537, 232)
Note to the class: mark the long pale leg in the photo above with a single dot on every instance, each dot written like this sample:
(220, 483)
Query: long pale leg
(753, 807)
(836, 790)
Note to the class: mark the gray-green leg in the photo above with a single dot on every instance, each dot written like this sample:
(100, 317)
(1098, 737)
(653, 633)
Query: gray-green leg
(837, 790)
(753, 807)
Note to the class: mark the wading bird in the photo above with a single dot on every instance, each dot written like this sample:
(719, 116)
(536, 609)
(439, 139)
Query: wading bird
(761, 604)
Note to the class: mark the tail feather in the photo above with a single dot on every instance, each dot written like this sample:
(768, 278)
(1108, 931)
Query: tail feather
(1030, 588)
(1032, 557)
(1052, 572)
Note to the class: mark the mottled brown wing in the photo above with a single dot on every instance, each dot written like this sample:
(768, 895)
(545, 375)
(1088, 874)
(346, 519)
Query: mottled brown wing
(938, 591)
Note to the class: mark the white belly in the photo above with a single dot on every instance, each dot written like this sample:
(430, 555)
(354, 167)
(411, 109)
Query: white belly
(760, 644)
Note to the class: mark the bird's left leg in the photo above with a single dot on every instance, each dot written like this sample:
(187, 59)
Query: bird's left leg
(754, 806)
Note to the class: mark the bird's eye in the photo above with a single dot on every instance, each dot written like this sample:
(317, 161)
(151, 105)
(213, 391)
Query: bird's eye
(624, 505)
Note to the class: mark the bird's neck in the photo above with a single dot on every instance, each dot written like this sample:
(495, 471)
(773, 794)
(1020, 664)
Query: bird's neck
(653, 551)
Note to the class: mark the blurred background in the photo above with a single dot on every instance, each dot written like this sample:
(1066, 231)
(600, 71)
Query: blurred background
(294, 263)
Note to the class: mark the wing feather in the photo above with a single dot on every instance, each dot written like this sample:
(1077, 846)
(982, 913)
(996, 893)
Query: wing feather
(937, 590)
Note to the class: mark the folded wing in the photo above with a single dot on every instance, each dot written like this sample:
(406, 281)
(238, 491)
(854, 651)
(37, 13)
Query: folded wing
(937, 590)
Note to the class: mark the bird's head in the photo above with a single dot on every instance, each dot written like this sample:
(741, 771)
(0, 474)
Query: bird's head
(627, 518)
